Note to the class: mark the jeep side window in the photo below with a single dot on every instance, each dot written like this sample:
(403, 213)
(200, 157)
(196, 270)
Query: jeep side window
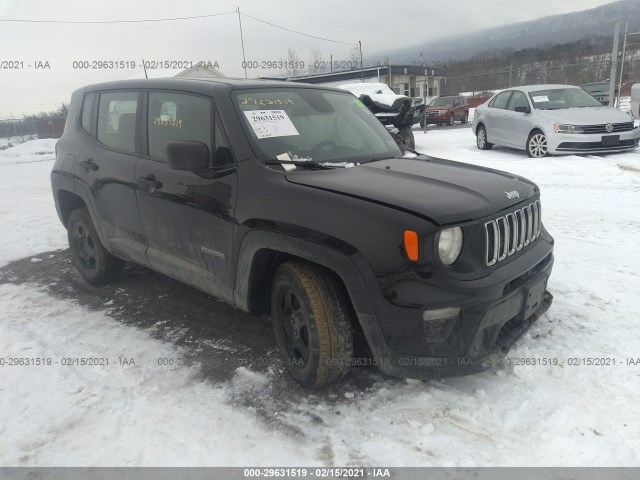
(87, 112)
(117, 120)
(175, 117)
(501, 100)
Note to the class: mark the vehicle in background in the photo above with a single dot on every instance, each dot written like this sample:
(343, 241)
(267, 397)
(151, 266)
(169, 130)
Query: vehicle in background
(600, 90)
(552, 119)
(395, 112)
(446, 111)
(635, 100)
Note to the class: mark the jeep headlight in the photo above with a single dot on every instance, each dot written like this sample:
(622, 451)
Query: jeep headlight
(562, 128)
(449, 242)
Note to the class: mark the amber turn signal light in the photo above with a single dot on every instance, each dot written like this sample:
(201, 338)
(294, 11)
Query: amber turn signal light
(411, 245)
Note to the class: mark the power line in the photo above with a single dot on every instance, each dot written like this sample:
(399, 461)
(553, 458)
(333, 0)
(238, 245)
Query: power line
(73, 22)
(299, 33)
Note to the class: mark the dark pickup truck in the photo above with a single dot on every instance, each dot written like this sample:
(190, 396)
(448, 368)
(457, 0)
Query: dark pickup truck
(293, 200)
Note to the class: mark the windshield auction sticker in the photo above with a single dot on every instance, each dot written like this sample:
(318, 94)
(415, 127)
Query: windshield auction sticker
(271, 123)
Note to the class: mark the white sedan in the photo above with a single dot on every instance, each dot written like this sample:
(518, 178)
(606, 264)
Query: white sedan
(552, 119)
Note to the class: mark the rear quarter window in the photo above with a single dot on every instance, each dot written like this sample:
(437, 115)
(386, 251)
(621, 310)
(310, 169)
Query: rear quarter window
(87, 112)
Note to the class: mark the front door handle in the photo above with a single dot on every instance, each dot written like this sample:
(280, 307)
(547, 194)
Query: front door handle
(88, 164)
(149, 182)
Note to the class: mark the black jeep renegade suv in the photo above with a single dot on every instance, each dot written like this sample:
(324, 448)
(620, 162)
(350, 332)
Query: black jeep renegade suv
(294, 200)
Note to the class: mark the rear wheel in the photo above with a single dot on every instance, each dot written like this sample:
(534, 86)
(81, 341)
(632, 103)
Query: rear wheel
(311, 318)
(537, 145)
(93, 261)
(481, 139)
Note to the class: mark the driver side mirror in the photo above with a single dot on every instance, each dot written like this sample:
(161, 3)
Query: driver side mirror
(191, 155)
(523, 109)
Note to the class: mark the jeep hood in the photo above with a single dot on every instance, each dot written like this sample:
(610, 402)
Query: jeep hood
(443, 191)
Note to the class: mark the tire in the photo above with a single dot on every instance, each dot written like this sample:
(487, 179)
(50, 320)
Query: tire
(96, 265)
(465, 118)
(481, 139)
(311, 318)
(537, 145)
(450, 121)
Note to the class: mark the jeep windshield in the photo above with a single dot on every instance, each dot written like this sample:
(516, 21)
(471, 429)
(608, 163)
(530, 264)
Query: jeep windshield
(312, 125)
(557, 98)
(441, 102)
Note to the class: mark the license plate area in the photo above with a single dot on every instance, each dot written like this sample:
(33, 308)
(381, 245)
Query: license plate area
(608, 140)
(534, 296)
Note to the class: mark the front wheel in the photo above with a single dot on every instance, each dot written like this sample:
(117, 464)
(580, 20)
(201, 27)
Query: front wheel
(311, 323)
(93, 261)
(537, 145)
(481, 139)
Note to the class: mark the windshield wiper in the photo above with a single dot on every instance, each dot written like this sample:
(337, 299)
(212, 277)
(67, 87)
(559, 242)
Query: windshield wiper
(308, 164)
(377, 159)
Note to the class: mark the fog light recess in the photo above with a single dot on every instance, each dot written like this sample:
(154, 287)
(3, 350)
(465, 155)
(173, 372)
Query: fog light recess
(438, 323)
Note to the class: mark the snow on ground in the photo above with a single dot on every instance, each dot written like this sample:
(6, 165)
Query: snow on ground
(8, 142)
(518, 415)
(28, 219)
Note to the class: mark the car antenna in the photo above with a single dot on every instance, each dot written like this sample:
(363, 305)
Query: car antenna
(145, 69)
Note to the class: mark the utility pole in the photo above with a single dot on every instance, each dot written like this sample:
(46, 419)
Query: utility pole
(511, 74)
(244, 60)
(13, 122)
(624, 49)
(361, 64)
(614, 64)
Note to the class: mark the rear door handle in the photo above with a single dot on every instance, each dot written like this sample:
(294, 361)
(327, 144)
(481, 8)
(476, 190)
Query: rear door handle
(149, 182)
(88, 164)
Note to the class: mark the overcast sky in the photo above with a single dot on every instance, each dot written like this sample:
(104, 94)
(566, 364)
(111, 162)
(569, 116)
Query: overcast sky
(379, 24)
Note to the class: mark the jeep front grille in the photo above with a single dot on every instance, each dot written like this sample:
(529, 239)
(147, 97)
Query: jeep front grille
(510, 233)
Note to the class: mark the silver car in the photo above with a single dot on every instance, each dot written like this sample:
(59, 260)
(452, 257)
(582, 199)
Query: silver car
(552, 119)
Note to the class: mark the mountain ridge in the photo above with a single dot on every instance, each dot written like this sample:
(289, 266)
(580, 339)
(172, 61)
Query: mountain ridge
(559, 28)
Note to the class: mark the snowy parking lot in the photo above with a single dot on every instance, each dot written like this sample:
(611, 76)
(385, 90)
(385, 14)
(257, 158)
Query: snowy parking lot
(175, 391)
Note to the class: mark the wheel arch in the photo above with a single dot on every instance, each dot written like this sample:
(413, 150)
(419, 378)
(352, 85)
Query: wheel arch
(536, 128)
(67, 203)
(260, 254)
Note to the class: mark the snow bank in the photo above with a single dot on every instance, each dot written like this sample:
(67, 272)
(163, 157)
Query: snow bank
(27, 152)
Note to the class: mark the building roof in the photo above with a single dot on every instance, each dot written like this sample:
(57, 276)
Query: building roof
(368, 72)
(201, 70)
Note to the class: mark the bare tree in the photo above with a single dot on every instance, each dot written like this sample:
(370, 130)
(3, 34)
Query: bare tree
(292, 65)
(316, 64)
(354, 57)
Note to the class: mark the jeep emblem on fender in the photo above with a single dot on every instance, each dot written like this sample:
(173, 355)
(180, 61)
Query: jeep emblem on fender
(513, 194)
(608, 127)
